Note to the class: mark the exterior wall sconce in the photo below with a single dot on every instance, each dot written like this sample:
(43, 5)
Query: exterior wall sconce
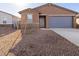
(77, 20)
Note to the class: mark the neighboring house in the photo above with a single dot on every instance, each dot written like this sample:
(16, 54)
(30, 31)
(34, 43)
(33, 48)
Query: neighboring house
(7, 19)
(49, 16)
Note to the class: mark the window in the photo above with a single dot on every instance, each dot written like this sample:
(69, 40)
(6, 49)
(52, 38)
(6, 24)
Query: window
(29, 18)
(4, 22)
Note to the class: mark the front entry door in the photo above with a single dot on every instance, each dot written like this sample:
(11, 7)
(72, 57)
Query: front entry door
(42, 21)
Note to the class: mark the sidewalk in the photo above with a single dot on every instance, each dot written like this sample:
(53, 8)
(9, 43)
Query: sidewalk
(7, 41)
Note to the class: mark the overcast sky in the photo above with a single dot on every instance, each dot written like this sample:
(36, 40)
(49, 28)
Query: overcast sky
(14, 8)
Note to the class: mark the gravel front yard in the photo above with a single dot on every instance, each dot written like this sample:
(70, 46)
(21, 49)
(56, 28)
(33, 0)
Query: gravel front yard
(44, 43)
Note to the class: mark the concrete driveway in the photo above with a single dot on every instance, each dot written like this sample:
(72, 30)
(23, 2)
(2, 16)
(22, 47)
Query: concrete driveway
(68, 33)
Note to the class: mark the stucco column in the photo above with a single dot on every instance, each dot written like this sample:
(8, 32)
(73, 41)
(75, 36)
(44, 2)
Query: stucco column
(74, 22)
(46, 21)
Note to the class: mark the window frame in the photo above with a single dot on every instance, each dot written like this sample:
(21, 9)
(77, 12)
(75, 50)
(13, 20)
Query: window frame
(29, 18)
(4, 21)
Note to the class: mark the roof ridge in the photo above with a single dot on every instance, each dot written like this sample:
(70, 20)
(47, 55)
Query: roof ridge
(9, 14)
(56, 6)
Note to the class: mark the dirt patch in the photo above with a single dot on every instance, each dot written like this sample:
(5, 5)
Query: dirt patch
(44, 43)
(7, 41)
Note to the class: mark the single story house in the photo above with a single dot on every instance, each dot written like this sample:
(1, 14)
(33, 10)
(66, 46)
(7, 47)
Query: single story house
(49, 16)
(7, 19)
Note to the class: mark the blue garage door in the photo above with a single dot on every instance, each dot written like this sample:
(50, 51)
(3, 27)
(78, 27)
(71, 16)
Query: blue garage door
(60, 22)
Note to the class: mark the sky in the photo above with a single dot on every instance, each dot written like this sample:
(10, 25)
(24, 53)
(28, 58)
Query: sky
(14, 8)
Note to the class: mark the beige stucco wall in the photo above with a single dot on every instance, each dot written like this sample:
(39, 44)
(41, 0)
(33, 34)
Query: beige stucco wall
(24, 17)
(47, 11)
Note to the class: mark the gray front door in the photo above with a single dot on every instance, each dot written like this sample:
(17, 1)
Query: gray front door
(60, 22)
(42, 21)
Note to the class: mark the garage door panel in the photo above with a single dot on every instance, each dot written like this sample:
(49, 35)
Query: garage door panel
(60, 22)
